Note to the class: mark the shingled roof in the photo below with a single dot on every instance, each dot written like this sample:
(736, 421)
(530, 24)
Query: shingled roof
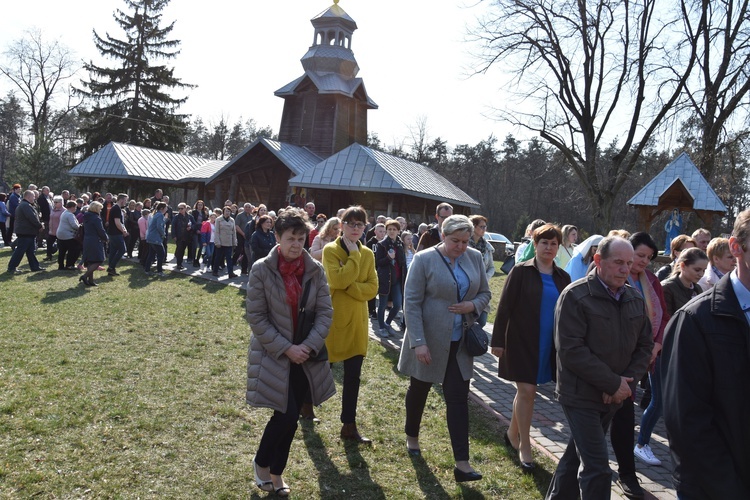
(360, 168)
(684, 171)
(124, 161)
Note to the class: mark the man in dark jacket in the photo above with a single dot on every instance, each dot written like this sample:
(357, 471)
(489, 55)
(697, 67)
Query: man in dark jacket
(13, 201)
(182, 234)
(706, 383)
(27, 228)
(378, 233)
(604, 342)
(434, 234)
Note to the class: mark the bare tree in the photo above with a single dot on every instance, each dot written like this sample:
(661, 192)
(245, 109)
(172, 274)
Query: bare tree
(41, 71)
(719, 88)
(587, 73)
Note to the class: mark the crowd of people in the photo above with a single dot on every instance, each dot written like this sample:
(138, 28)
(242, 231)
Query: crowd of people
(592, 317)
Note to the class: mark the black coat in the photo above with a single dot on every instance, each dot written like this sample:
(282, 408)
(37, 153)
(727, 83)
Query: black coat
(386, 266)
(94, 237)
(261, 242)
(705, 374)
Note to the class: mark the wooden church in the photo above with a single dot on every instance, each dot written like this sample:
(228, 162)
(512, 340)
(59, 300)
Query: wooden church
(321, 154)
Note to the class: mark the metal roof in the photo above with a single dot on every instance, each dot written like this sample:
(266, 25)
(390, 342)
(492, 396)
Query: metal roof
(363, 169)
(124, 161)
(296, 158)
(327, 83)
(684, 169)
(336, 12)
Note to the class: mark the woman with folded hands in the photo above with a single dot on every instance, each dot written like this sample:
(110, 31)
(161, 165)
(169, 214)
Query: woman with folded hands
(283, 362)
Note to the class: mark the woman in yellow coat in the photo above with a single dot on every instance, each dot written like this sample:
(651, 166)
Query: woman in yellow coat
(350, 269)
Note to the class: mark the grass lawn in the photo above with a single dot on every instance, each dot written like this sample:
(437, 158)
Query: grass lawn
(136, 389)
(496, 287)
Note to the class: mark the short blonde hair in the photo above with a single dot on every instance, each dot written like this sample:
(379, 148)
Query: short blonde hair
(717, 247)
(95, 207)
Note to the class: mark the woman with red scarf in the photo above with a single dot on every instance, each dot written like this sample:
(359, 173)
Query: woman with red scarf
(281, 366)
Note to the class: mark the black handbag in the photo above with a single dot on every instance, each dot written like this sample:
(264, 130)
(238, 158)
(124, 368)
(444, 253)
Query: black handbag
(476, 340)
(305, 322)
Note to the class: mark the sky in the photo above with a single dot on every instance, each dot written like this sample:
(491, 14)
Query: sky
(412, 55)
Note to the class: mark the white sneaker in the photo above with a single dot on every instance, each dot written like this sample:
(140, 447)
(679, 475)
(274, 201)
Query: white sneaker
(646, 455)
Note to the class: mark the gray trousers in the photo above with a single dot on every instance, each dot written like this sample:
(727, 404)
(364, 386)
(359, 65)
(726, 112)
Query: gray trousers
(585, 463)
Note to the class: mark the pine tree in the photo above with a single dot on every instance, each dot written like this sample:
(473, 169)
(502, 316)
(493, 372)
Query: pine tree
(131, 99)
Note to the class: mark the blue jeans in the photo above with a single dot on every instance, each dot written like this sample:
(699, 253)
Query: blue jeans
(383, 303)
(653, 412)
(25, 245)
(587, 447)
(197, 247)
(155, 250)
(208, 254)
(116, 249)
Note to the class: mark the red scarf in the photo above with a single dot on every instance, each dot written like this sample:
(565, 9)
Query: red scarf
(292, 273)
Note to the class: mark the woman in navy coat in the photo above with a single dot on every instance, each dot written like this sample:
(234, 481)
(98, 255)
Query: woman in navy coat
(94, 238)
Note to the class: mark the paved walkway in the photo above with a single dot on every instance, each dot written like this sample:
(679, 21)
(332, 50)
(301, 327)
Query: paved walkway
(549, 431)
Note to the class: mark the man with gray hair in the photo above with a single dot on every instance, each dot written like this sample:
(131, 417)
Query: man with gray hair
(603, 340)
(27, 228)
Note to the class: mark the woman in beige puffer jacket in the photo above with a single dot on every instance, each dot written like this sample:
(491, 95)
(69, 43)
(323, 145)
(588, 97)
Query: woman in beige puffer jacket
(279, 371)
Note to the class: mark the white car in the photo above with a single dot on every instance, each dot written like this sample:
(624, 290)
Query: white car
(500, 242)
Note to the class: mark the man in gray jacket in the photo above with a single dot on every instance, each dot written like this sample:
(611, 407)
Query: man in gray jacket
(27, 227)
(603, 340)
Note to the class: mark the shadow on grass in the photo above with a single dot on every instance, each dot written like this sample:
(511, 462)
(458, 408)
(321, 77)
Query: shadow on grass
(486, 430)
(328, 473)
(59, 296)
(428, 482)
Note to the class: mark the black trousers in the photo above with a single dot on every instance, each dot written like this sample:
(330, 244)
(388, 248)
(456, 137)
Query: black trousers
(179, 252)
(68, 253)
(622, 435)
(273, 450)
(456, 393)
(350, 389)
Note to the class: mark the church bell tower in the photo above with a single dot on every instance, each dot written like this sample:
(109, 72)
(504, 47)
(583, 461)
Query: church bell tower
(325, 109)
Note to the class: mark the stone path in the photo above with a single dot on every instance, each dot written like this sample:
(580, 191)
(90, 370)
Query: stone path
(549, 432)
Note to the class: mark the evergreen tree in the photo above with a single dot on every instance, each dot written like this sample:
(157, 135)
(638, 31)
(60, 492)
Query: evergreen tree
(131, 99)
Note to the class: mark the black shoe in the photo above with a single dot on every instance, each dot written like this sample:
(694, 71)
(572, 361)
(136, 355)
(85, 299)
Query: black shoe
(232, 275)
(215, 274)
(462, 477)
(630, 487)
(414, 452)
(528, 467)
(14, 271)
(181, 268)
(112, 272)
(38, 269)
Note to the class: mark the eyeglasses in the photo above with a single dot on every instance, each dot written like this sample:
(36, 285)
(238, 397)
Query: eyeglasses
(481, 227)
(354, 225)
